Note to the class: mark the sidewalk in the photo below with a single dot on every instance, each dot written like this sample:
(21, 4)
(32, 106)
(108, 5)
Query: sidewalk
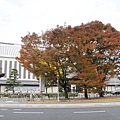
(99, 102)
(58, 105)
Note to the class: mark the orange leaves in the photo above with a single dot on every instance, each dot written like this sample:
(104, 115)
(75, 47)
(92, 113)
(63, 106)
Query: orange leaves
(31, 39)
(30, 54)
(79, 49)
(99, 55)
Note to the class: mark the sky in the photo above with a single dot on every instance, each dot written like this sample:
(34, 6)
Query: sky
(19, 17)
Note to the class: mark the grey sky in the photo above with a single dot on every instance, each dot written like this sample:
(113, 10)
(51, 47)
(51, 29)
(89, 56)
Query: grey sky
(18, 17)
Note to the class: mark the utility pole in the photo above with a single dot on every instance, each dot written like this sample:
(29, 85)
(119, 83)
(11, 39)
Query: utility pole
(40, 86)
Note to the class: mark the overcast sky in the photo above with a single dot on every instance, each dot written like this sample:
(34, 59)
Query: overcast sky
(18, 17)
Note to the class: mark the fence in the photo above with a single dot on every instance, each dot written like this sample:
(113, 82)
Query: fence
(32, 97)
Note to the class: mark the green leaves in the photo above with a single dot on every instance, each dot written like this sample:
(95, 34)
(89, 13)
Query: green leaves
(12, 80)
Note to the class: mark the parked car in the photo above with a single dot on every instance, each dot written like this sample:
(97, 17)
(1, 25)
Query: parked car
(116, 92)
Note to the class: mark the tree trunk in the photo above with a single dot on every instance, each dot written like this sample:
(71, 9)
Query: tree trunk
(46, 90)
(101, 94)
(85, 93)
(13, 91)
(66, 92)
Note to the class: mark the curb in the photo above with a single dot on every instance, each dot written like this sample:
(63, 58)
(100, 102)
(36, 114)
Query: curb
(76, 105)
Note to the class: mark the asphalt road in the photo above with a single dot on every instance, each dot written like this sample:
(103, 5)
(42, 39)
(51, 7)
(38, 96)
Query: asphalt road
(87, 113)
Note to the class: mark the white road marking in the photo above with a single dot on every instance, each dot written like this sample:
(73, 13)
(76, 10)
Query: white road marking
(3, 109)
(10, 101)
(28, 112)
(89, 112)
(16, 109)
(1, 115)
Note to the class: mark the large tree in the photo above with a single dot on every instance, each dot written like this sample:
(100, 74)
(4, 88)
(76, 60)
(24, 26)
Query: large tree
(57, 46)
(99, 43)
(89, 77)
(94, 42)
(40, 60)
(73, 50)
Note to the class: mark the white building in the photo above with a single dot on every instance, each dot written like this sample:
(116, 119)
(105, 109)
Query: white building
(8, 52)
(113, 84)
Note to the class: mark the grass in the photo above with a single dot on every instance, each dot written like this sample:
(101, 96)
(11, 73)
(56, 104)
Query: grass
(79, 100)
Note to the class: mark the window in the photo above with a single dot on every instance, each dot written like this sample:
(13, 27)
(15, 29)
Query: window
(19, 70)
(10, 66)
(33, 76)
(0, 66)
(5, 69)
(24, 73)
(15, 64)
(28, 75)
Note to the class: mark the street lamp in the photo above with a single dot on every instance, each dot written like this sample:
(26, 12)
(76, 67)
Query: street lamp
(58, 89)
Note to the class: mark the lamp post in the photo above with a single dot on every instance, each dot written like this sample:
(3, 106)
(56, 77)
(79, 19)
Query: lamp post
(58, 89)
(40, 86)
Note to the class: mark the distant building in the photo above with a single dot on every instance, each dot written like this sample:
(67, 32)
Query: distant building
(113, 84)
(8, 52)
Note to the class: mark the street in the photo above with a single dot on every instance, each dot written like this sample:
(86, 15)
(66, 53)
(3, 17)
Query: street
(87, 113)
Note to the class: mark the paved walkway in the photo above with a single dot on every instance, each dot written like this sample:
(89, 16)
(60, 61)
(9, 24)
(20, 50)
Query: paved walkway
(13, 104)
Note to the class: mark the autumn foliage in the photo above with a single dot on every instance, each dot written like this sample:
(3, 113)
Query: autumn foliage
(89, 52)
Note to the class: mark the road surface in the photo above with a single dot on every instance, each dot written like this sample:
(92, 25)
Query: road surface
(87, 113)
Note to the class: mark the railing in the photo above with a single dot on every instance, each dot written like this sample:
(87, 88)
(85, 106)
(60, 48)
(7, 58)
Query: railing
(43, 97)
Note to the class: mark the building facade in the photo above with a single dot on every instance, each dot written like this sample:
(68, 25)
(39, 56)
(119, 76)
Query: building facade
(8, 53)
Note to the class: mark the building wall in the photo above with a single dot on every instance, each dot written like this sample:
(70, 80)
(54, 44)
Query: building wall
(8, 53)
(0, 68)
(8, 64)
